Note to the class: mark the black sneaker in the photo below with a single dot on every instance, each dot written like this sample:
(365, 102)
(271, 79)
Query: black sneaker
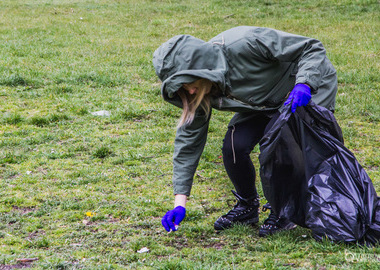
(246, 211)
(273, 224)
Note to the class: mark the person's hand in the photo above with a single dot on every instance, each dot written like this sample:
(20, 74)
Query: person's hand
(300, 96)
(173, 218)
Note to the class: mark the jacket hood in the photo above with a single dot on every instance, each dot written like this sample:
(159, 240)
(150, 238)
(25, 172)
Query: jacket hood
(184, 59)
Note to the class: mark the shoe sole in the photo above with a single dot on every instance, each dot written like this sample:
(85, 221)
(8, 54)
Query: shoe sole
(252, 221)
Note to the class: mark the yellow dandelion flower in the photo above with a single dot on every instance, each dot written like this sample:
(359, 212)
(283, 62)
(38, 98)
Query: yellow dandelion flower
(90, 214)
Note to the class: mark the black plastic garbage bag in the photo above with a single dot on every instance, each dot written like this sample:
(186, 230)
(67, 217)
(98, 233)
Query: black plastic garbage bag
(311, 178)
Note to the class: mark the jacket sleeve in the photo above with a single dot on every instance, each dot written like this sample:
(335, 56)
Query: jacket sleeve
(188, 147)
(308, 53)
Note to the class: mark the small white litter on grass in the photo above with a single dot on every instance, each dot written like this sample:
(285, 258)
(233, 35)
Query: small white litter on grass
(85, 221)
(101, 113)
(143, 250)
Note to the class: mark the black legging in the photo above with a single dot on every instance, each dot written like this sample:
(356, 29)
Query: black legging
(238, 143)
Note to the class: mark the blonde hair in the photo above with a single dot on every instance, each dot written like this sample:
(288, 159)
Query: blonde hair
(191, 102)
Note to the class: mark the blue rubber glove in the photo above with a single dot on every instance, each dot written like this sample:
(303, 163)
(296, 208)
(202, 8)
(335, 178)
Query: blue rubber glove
(173, 218)
(300, 96)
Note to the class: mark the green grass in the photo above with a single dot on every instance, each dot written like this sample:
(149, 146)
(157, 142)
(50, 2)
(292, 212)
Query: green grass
(62, 60)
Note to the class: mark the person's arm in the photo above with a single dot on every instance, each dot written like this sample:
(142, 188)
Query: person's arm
(308, 53)
(189, 144)
(180, 200)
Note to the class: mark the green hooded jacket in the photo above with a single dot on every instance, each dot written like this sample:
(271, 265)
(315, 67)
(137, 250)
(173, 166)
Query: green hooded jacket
(255, 68)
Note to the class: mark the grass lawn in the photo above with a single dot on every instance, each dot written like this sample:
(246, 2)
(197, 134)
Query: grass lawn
(80, 191)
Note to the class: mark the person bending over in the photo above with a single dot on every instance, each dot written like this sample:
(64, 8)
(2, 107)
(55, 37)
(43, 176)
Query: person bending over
(252, 71)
